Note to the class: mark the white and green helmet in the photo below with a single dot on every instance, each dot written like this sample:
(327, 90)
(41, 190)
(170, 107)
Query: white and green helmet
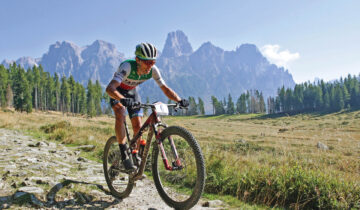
(146, 51)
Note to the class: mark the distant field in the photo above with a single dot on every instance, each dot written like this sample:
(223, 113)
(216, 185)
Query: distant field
(255, 158)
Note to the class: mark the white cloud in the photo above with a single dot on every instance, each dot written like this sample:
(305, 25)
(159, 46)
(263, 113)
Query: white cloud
(280, 58)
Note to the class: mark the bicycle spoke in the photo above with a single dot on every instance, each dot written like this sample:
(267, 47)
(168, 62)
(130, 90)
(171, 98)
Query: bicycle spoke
(117, 180)
(178, 178)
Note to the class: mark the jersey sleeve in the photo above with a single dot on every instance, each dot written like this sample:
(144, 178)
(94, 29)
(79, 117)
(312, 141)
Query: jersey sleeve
(122, 72)
(157, 76)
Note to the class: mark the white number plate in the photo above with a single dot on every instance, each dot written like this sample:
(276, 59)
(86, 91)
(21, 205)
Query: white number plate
(161, 109)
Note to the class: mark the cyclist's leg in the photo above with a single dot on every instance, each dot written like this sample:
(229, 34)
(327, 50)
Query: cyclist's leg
(135, 115)
(119, 111)
(136, 125)
(120, 115)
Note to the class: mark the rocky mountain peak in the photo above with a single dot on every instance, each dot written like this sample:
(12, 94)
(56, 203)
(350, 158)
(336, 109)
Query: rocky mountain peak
(208, 47)
(63, 49)
(249, 53)
(249, 49)
(62, 57)
(27, 62)
(98, 48)
(176, 45)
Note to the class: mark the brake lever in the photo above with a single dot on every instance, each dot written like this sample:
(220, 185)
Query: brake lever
(137, 105)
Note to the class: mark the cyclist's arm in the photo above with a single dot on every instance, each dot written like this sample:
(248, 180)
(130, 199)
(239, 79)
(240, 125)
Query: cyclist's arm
(170, 93)
(112, 92)
(122, 72)
(167, 91)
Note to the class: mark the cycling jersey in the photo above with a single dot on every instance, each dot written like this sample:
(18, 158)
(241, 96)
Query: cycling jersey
(128, 77)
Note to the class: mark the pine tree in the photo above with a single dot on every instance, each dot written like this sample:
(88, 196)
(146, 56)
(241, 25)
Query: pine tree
(72, 88)
(4, 77)
(241, 104)
(201, 106)
(57, 91)
(192, 106)
(214, 102)
(107, 107)
(65, 95)
(230, 105)
(298, 97)
(262, 104)
(97, 97)
(91, 109)
(9, 96)
(22, 96)
(346, 96)
(82, 100)
(281, 93)
(51, 93)
(271, 105)
(338, 98)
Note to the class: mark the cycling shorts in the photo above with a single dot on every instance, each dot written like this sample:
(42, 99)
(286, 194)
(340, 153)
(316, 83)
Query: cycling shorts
(129, 94)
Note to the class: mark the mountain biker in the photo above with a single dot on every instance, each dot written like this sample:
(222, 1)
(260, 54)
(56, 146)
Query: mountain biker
(123, 93)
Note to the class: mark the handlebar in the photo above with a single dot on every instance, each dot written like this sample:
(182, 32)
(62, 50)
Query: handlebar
(138, 105)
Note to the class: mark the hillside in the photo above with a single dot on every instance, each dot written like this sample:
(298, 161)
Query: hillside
(258, 158)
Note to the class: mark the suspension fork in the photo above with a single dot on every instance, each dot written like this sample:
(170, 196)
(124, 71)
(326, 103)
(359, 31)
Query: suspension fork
(176, 165)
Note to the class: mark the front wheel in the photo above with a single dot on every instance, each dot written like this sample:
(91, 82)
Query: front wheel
(118, 182)
(186, 172)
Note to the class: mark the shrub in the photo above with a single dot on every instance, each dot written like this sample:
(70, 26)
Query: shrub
(288, 186)
(50, 128)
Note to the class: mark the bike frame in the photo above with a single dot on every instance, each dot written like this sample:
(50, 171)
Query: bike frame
(153, 122)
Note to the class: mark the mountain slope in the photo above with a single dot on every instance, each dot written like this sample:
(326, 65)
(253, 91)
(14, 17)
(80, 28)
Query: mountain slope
(206, 71)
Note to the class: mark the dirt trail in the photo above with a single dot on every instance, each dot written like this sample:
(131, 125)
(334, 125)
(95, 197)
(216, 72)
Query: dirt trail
(41, 174)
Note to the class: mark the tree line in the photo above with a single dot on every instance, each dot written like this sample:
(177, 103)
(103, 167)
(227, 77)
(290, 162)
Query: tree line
(34, 88)
(320, 96)
(249, 102)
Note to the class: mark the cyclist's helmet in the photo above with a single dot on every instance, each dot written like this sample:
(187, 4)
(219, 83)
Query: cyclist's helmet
(146, 51)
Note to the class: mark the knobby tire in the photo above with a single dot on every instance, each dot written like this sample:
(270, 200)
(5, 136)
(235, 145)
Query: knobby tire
(123, 193)
(200, 168)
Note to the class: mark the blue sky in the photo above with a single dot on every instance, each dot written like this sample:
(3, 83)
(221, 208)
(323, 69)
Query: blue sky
(310, 38)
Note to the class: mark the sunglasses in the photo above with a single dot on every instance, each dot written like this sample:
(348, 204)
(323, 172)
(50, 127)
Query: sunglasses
(148, 62)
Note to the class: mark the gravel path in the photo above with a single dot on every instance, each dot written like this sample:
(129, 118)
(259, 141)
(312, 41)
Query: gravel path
(41, 174)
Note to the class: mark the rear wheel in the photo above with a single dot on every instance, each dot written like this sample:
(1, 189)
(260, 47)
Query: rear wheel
(188, 171)
(117, 180)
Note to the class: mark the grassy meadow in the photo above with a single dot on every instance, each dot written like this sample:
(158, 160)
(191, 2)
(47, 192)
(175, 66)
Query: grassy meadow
(260, 159)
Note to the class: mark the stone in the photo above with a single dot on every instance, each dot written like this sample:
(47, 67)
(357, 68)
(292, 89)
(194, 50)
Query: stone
(86, 147)
(41, 181)
(281, 130)
(24, 197)
(35, 190)
(14, 185)
(81, 159)
(5, 175)
(322, 146)
(241, 141)
(25, 183)
(213, 203)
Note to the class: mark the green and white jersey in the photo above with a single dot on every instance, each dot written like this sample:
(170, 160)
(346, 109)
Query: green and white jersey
(129, 79)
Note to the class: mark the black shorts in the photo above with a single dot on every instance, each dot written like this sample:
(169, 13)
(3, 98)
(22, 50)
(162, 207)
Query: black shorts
(129, 94)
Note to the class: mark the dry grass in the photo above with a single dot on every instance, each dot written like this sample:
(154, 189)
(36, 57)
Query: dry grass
(273, 143)
(291, 138)
(284, 138)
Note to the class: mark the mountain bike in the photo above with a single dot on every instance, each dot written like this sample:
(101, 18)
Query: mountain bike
(176, 160)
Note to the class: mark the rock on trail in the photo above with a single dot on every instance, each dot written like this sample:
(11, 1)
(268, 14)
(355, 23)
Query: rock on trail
(41, 174)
